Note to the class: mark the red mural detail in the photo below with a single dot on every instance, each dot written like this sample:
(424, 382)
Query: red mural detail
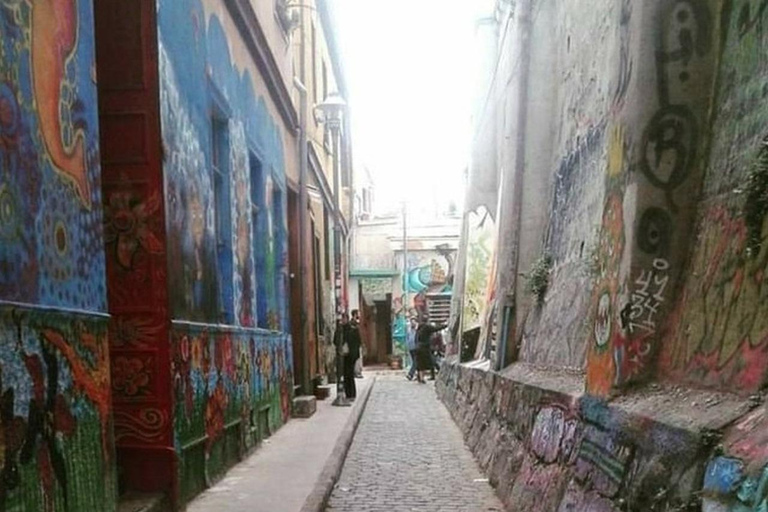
(127, 226)
(144, 426)
(603, 358)
(131, 376)
(215, 408)
(54, 38)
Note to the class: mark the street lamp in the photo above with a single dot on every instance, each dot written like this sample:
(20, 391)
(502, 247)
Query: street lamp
(331, 113)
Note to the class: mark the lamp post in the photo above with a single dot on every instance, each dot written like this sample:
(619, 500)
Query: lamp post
(330, 113)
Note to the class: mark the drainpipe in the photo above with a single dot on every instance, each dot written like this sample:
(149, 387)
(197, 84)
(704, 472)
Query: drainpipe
(306, 380)
(507, 275)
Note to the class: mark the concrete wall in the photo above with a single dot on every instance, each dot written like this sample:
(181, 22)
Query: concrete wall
(629, 143)
(55, 419)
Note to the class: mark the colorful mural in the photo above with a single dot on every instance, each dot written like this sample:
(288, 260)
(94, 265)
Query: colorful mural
(55, 418)
(226, 222)
(429, 272)
(480, 248)
(197, 77)
(56, 448)
(51, 247)
(232, 388)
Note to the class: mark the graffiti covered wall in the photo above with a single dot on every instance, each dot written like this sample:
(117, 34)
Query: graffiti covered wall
(56, 450)
(718, 335)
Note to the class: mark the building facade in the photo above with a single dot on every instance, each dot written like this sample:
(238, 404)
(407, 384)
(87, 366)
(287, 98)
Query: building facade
(151, 169)
(389, 285)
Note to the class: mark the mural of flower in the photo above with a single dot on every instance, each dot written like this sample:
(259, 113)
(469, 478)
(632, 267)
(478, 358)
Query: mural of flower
(126, 225)
(214, 413)
(130, 376)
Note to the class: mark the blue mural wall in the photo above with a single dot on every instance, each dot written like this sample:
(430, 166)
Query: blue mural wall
(225, 184)
(56, 450)
(199, 82)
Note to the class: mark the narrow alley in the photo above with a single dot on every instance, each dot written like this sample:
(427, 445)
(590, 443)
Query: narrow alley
(409, 455)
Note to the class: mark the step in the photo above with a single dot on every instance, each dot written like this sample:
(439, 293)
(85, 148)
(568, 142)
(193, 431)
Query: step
(322, 392)
(304, 406)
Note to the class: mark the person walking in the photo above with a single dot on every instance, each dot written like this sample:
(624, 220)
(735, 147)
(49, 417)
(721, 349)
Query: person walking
(424, 348)
(410, 344)
(353, 343)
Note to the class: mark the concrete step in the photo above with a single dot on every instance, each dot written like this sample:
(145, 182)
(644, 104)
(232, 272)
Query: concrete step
(304, 406)
(322, 392)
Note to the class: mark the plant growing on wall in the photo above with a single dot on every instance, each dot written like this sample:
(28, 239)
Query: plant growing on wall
(538, 277)
(756, 204)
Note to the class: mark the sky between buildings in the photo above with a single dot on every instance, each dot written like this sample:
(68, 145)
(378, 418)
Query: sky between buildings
(409, 70)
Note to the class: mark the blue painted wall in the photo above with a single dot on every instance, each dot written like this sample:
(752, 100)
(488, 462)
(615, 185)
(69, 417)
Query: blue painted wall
(55, 417)
(199, 78)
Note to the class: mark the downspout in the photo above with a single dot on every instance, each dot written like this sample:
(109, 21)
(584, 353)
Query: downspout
(306, 380)
(506, 315)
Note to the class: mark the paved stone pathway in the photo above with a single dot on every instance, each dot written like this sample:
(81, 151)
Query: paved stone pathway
(408, 455)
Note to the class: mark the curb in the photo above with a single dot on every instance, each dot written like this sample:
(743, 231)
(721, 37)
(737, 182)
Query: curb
(318, 498)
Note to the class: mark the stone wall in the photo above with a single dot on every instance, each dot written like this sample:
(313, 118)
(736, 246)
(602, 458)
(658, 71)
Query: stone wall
(546, 446)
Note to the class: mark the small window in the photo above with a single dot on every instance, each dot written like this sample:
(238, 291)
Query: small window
(222, 214)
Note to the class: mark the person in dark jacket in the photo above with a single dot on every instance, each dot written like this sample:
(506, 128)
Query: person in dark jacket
(353, 342)
(424, 359)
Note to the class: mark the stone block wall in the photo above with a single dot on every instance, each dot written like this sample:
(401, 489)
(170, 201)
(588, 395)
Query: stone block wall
(545, 446)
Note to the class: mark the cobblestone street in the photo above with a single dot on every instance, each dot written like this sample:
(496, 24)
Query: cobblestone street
(408, 455)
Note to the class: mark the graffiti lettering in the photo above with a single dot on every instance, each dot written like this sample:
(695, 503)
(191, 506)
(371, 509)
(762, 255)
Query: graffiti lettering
(648, 297)
(669, 145)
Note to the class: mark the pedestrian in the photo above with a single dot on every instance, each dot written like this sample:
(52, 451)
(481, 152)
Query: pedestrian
(359, 360)
(353, 343)
(410, 344)
(341, 342)
(424, 348)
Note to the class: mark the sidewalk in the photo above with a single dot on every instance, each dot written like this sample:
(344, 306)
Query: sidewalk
(292, 465)
(408, 455)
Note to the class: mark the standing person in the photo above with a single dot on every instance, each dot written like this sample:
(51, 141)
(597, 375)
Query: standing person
(410, 344)
(353, 342)
(341, 342)
(359, 360)
(424, 348)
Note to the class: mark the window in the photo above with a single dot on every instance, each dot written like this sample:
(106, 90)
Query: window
(259, 238)
(222, 214)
